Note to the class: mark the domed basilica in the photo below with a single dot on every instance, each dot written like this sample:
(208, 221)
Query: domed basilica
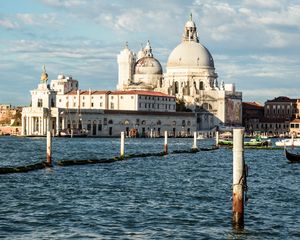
(148, 102)
(190, 76)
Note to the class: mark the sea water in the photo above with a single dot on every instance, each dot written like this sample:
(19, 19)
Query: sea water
(178, 196)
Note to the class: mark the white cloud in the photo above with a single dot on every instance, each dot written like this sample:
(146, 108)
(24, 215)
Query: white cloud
(8, 24)
(64, 3)
(37, 19)
(269, 4)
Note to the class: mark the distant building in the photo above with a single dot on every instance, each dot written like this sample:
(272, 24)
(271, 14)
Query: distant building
(103, 113)
(253, 113)
(281, 108)
(295, 127)
(10, 120)
(190, 77)
(278, 116)
(146, 98)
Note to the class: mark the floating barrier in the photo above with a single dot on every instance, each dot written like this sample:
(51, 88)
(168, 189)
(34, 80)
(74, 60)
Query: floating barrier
(42, 165)
(256, 148)
(24, 169)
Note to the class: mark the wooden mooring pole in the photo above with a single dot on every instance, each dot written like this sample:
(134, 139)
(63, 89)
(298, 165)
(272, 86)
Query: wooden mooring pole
(194, 147)
(217, 138)
(49, 140)
(238, 179)
(122, 147)
(166, 143)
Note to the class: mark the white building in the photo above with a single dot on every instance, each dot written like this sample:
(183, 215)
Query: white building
(144, 95)
(102, 113)
(190, 77)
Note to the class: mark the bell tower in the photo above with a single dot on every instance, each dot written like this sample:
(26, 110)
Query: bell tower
(126, 61)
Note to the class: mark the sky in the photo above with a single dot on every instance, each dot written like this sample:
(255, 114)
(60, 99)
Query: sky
(255, 43)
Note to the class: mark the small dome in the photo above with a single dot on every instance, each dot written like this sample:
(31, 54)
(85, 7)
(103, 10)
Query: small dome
(148, 65)
(190, 24)
(190, 54)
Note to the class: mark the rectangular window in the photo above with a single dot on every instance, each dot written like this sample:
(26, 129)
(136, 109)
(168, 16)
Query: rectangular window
(101, 104)
(83, 104)
(99, 127)
(92, 104)
(112, 105)
(40, 102)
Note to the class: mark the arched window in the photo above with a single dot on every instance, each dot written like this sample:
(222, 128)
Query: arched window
(201, 86)
(110, 121)
(174, 123)
(158, 122)
(144, 122)
(126, 122)
(176, 87)
(183, 123)
(189, 123)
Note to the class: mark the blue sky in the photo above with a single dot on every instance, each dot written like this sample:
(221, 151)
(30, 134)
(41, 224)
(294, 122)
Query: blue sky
(255, 43)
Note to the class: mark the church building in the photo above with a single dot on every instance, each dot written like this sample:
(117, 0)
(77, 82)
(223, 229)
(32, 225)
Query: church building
(190, 77)
(146, 98)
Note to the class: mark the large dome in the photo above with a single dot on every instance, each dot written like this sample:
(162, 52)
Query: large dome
(190, 54)
(147, 65)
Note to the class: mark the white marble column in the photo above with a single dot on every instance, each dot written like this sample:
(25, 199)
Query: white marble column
(26, 125)
(23, 126)
(42, 125)
(57, 124)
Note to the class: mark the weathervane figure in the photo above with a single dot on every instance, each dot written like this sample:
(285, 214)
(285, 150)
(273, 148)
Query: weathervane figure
(44, 75)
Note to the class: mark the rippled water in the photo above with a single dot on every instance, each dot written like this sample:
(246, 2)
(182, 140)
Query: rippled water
(179, 196)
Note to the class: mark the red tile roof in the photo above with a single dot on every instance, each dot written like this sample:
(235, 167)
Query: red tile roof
(86, 92)
(129, 92)
(141, 92)
(295, 120)
(252, 106)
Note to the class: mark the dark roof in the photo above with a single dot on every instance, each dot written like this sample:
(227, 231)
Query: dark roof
(282, 99)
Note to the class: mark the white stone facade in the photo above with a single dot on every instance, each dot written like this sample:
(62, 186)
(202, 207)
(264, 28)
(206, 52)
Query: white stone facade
(102, 113)
(144, 94)
(190, 77)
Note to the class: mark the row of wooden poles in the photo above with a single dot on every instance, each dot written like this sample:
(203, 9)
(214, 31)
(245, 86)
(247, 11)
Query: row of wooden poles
(122, 146)
(239, 169)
